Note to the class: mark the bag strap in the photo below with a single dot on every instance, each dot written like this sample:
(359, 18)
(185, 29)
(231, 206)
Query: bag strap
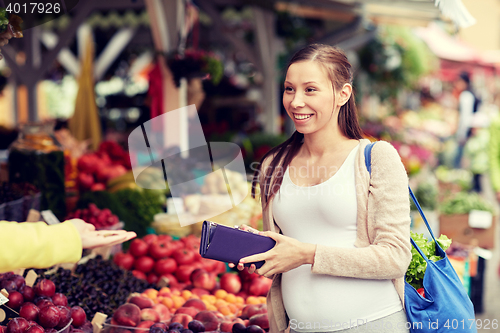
(368, 161)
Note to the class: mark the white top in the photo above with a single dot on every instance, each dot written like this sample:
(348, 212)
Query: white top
(466, 111)
(326, 214)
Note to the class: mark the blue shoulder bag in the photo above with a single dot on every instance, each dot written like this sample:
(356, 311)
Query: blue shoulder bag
(446, 306)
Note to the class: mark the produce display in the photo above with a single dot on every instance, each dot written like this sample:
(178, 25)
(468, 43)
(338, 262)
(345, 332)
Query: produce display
(101, 219)
(96, 286)
(416, 269)
(41, 309)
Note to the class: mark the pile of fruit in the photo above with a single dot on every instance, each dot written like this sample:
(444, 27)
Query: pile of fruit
(155, 257)
(96, 286)
(96, 169)
(223, 312)
(100, 218)
(41, 309)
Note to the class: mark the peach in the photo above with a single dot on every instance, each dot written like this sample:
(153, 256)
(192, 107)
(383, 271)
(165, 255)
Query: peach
(181, 318)
(209, 320)
(252, 309)
(188, 310)
(195, 303)
(226, 326)
(260, 319)
(150, 315)
(141, 301)
(163, 311)
(200, 292)
(145, 324)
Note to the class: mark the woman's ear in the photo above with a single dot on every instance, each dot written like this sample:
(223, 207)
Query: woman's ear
(344, 94)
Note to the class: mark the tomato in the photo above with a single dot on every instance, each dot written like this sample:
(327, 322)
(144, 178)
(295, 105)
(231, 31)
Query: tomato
(421, 292)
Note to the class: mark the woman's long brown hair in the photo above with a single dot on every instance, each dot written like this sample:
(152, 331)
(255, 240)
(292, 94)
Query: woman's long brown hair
(339, 71)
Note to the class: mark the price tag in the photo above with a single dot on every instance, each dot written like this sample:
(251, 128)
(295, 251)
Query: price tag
(31, 278)
(98, 321)
(49, 217)
(480, 219)
(33, 216)
(3, 299)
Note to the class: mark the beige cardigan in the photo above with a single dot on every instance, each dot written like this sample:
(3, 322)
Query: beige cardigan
(382, 247)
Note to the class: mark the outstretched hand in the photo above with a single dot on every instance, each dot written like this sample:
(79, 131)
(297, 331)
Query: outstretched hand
(287, 254)
(92, 238)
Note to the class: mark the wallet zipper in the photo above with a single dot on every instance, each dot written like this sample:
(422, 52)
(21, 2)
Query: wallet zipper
(213, 225)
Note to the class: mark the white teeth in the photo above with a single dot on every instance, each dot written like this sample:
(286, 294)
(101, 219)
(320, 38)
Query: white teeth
(300, 117)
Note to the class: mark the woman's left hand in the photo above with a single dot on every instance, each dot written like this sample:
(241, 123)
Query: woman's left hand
(287, 254)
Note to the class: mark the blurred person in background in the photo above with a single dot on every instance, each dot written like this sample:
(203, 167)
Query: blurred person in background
(468, 104)
(476, 149)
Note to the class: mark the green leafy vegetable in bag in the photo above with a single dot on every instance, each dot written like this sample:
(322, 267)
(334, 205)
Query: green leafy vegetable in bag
(416, 270)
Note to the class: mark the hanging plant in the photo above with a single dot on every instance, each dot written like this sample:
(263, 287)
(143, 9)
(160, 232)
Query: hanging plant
(396, 59)
(195, 63)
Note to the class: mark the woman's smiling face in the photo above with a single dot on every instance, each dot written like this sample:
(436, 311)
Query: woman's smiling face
(309, 98)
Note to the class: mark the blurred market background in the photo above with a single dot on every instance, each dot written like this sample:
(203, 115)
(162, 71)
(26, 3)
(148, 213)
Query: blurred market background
(73, 89)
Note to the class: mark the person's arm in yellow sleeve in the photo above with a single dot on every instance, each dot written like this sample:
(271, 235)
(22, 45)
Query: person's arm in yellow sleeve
(38, 245)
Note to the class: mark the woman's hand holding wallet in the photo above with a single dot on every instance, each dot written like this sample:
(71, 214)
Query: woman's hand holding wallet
(287, 254)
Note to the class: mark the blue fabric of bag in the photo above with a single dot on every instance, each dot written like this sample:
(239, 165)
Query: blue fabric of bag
(446, 306)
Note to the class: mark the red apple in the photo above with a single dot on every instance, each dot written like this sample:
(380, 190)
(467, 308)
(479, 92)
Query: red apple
(165, 266)
(45, 288)
(231, 283)
(183, 256)
(124, 260)
(144, 264)
(138, 248)
(127, 314)
(78, 315)
(15, 300)
(59, 299)
(29, 311)
(49, 316)
(171, 279)
(115, 171)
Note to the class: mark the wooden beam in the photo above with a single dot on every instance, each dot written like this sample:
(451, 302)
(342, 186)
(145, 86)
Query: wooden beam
(314, 12)
(264, 30)
(113, 48)
(218, 24)
(83, 9)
